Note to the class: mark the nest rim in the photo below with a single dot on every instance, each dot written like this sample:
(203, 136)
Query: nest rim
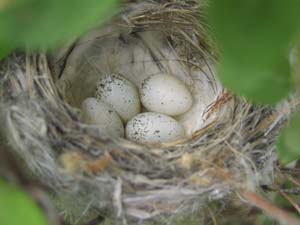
(80, 164)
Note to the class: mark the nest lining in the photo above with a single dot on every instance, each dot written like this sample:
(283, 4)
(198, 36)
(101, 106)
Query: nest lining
(231, 143)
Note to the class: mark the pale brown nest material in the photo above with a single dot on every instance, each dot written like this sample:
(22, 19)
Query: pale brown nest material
(91, 174)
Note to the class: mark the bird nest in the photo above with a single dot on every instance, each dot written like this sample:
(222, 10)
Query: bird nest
(230, 143)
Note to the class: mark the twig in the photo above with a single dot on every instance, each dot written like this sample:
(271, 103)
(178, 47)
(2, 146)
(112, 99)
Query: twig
(271, 209)
(290, 191)
(297, 208)
(294, 181)
(213, 218)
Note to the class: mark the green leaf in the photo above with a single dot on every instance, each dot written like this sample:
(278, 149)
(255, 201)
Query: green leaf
(16, 208)
(264, 220)
(7, 4)
(289, 141)
(260, 84)
(295, 62)
(253, 36)
(254, 29)
(40, 23)
(4, 50)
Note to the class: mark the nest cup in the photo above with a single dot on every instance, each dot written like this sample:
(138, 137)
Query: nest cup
(230, 143)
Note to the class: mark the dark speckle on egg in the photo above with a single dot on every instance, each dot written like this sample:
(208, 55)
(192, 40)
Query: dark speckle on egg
(165, 94)
(120, 94)
(153, 127)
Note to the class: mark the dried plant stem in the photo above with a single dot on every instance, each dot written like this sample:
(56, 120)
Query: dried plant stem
(271, 209)
(213, 218)
(297, 208)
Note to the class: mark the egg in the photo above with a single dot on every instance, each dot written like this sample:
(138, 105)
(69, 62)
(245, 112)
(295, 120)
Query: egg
(120, 94)
(100, 114)
(151, 127)
(165, 94)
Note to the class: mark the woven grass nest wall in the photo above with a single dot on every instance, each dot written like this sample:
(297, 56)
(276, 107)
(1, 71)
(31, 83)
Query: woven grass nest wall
(229, 146)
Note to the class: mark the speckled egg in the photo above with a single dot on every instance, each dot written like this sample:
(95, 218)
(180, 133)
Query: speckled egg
(120, 94)
(165, 94)
(100, 114)
(151, 127)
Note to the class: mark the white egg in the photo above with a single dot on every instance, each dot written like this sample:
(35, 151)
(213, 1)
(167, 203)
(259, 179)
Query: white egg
(151, 127)
(100, 114)
(165, 94)
(120, 94)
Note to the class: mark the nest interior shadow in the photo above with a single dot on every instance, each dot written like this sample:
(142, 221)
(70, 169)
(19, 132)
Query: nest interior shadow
(230, 143)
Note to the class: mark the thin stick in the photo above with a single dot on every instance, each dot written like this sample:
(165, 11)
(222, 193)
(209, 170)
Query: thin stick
(297, 208)
(294, 181)
(271, 209)
(213, 218)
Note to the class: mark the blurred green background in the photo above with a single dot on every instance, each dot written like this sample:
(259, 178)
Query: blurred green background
(259, 45)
